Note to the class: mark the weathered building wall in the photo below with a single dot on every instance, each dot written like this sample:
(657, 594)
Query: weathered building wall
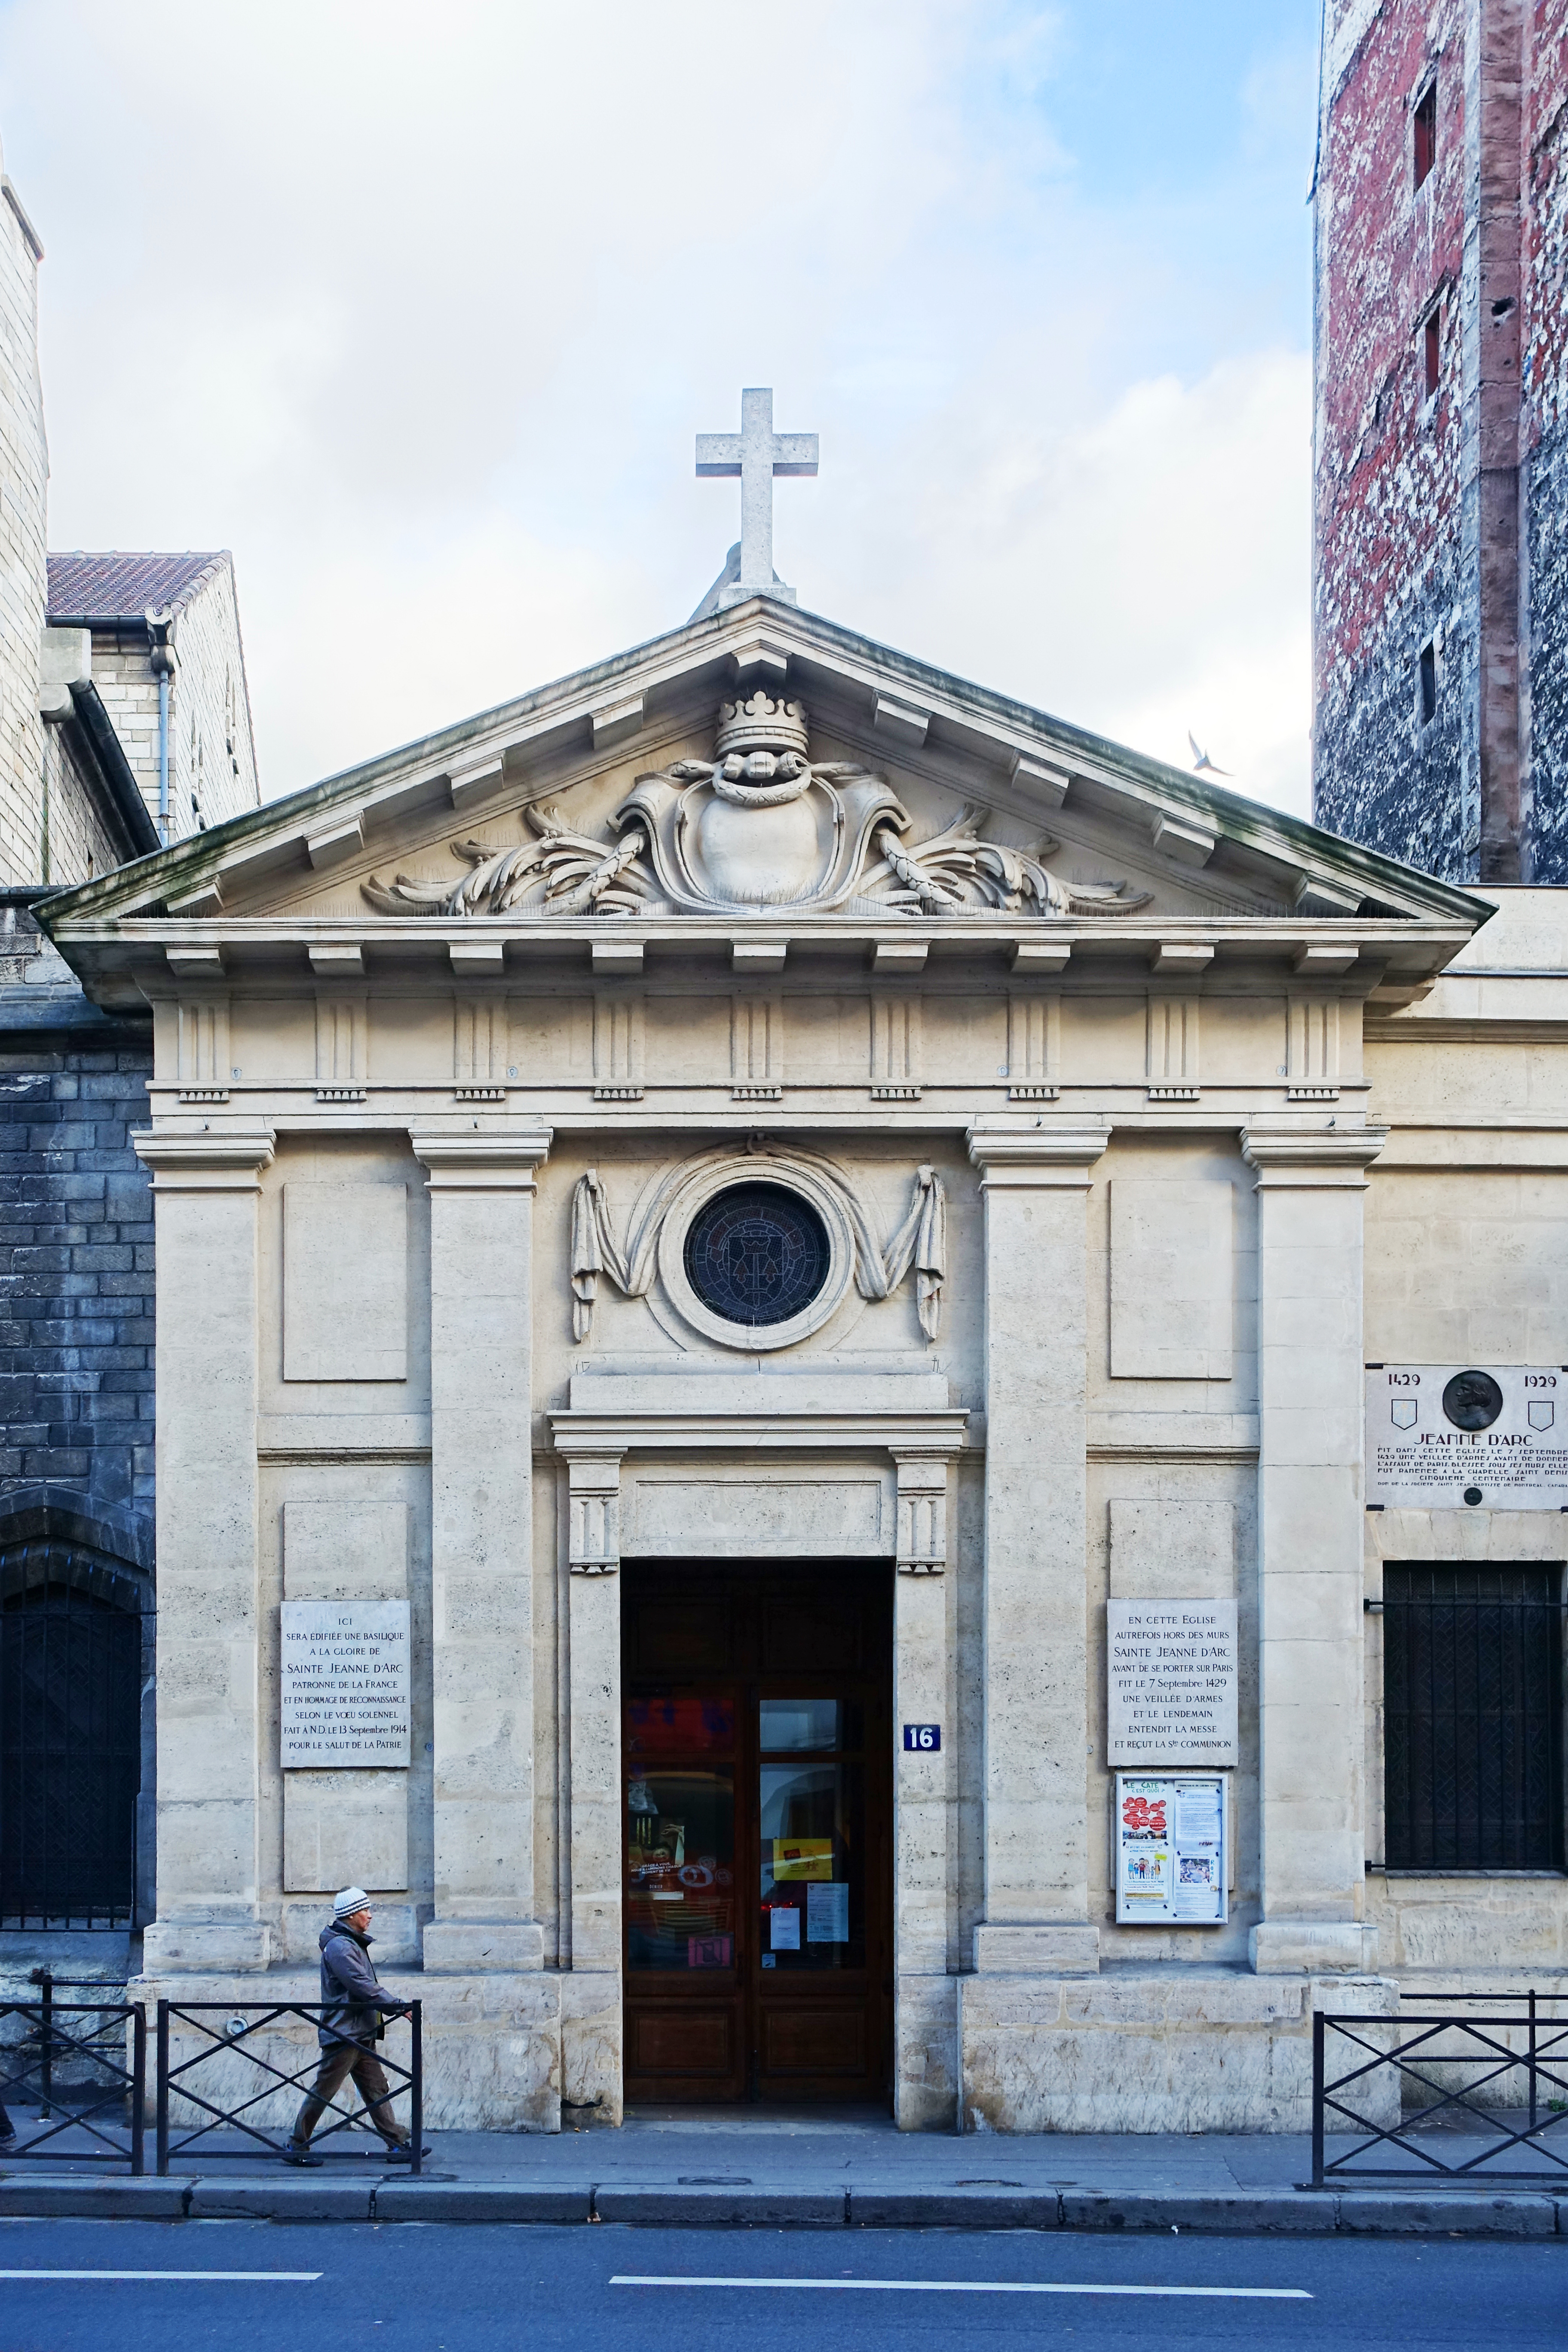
(212, 756)
(1440, 514)
(77, 838)
(1389, 458)
(76, 1240)
(1543, 338)
(24, 469)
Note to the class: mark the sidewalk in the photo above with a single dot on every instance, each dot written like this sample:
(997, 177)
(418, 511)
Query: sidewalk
(729, 2167)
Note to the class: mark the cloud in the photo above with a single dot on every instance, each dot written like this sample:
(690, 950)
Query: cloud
(418, 311)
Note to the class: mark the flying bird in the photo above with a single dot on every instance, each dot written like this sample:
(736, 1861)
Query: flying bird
(1202, 764)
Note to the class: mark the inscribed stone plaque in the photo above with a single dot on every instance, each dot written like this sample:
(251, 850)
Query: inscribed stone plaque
(1171, 1682)
(345, 1683)
(1439, 1436)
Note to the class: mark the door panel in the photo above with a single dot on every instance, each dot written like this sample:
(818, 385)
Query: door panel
(757, 1827)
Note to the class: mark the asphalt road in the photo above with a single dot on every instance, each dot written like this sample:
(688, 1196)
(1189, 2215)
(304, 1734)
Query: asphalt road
(411, 2288)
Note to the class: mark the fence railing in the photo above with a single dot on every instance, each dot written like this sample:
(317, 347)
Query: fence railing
(82, 2067)
(248, 2074)
(1407, 2085)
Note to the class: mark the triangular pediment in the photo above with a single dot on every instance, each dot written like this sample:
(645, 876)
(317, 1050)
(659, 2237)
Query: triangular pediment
(926, 802)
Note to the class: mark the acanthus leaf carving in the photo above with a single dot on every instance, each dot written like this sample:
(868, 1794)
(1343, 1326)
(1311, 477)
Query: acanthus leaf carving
(759, 826)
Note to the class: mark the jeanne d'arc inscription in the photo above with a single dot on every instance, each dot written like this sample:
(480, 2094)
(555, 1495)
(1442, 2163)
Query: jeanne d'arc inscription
(344, 1684)
(1441, 1435)
(1171, 1682)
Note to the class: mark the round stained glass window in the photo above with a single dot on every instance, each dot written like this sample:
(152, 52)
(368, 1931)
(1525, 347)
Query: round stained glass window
(757, 1254)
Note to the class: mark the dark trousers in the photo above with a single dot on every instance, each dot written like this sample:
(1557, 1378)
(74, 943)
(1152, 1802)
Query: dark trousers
(338, 2062)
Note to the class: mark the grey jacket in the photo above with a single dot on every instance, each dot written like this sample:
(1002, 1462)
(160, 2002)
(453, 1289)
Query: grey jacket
(353, 1998)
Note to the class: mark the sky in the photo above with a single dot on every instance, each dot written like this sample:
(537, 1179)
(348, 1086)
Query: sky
(419, 310)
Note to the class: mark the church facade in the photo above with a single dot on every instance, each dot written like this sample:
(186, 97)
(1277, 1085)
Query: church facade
(767, 1265)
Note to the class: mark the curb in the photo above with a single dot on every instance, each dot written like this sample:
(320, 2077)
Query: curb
(1367, 2212)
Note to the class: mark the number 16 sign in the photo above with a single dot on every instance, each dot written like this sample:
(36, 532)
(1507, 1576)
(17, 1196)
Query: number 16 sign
(923, 1739)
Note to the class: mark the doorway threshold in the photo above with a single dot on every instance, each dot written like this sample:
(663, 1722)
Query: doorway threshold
(771, 2118)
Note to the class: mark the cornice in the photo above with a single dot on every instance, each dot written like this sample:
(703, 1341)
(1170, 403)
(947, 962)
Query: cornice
(1035, 1152)
(483, 1162)
(1313, 1158)
(587, 1435)
(208, 1162)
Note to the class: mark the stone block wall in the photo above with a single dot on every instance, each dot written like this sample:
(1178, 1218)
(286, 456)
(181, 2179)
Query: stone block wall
(212, 757)
(76, 843)
(1543, 344)
(1439, 517)
(75, 1239)
(24, 467)
(1389, 569)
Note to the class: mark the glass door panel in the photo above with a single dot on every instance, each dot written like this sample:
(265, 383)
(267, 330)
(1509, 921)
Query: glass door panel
(680, 1833)
(811, 1841)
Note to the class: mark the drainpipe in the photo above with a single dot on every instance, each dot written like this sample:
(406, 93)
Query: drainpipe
(162, 655)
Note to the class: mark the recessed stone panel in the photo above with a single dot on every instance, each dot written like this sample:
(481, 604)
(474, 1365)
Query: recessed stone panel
(1171, 1278)
(345, 1281)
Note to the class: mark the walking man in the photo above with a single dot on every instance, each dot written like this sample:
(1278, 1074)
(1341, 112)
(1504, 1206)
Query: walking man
(353, 2003)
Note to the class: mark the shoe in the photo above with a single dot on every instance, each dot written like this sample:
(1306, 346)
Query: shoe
(302, 2157)
(403, 2153)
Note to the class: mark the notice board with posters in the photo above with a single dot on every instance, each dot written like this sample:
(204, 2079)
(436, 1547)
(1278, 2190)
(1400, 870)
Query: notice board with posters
(1172, 1846)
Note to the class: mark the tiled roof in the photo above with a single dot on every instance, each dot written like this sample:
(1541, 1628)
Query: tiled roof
(95, 586)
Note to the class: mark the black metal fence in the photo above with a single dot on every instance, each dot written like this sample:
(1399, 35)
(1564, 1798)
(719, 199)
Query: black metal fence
(232, 2086)
(81, 2068)
(1444, 2096)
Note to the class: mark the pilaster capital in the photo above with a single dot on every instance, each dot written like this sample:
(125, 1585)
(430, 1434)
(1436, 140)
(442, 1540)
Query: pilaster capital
(1039, 1152)
(1310, 1158)
(921, 1537)
(483, 1162)
(594, 1493)
(216, 1160)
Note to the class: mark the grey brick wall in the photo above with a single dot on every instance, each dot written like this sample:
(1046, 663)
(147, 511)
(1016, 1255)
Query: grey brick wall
(76, 1240)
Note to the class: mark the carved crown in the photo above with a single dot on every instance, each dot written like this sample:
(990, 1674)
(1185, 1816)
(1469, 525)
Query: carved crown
(758, 723)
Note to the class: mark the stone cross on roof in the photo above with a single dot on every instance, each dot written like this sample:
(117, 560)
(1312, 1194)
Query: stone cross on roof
(756, 454)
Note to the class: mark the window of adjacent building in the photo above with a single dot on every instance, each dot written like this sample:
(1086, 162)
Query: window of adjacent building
(1472, 1682)
(1427, 684)
(1432, 350)
(1423, 133)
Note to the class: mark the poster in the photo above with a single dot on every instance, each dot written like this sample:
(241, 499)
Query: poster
(1172, 1849)
(1445, 1436)
(783, 1928)
(827, 1912)
(802, 1857)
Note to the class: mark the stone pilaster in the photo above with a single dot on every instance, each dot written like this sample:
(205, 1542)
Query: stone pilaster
(482, 1191)
(206, 1189)
(1035, 1182)
(924, 2083)
(1311, 1184)
(591, 2056)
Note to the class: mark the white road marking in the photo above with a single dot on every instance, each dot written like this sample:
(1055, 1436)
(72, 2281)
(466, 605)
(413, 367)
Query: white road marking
(160, 2274)
(980, 2286)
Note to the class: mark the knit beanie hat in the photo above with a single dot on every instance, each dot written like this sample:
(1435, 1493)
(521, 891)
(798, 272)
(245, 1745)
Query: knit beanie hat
(352, 1899)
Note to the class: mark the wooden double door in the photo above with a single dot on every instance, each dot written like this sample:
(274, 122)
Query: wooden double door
(757, 1831)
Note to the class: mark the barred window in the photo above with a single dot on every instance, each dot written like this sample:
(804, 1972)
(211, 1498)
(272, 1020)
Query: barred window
(1472, 1716)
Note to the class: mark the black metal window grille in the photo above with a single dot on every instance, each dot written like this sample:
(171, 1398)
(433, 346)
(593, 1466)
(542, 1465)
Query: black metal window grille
(757, 1254)
(70, 1758)
(1472, 1716)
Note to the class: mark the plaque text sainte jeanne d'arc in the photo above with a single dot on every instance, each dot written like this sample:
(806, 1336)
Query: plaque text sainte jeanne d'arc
(344, 1684)
(1171, 1682)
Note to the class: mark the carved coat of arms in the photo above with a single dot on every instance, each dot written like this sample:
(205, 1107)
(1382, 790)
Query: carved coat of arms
(760, 825)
